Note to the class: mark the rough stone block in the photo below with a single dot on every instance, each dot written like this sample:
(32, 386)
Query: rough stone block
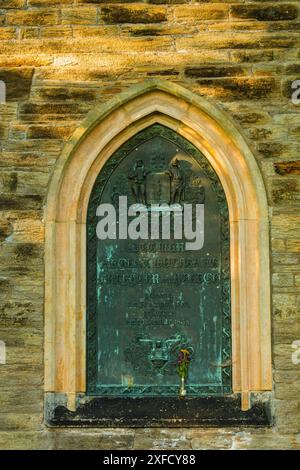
(282, 279)
(20, 203)
(290, 392)
(248, 116)
(132, 14)
(137, 30)
(75, 94)
(238, 88)
(161, 439)
(265, 12)
(192, 13)
(27, 231)
(8, 182)
(284, 26)
(29, 32)
(56, 31)
(252, 56)
(38, 161)
(286, 307)
(18, 82)
(287, 377)
(3, 131)
(102, 439)
(282, 354)
(24, 286)
(8, 32)
(16, 376)
(287, 416)
(23, 349)
(272, 149)
(293, 246)
(5, 288)
(262, 440)
(285, 191)
(99, 30)
(79, 15)
(20, 440)
(292, 69)
(236, 26)
(17, 132)
(236, 41)
(21, 257)
(50, 3)
(288, 168)
(278, 245)
(20, 421)
(21, 400)
(15, 314)
(32, 17)
(216, 71)
(18, 60)
(209, 442)
(50, 132)
(6, 229)
(32, 112)
(12, 4)
(25, 183)
(284, 259)
(295, 132)
(259, 133)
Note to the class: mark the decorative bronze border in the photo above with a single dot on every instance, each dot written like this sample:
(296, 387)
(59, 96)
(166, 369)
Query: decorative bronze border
(95, 198)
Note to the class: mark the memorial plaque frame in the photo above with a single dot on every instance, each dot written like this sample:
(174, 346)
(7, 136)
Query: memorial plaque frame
(103, 177)
(106, 128)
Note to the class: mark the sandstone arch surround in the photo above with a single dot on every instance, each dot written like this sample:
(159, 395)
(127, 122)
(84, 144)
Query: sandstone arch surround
(101, 133)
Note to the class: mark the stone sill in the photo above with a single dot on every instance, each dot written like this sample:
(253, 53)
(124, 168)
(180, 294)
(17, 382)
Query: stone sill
(156, 412)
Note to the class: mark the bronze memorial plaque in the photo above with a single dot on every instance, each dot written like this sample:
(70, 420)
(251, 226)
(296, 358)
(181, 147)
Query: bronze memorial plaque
(158, 312)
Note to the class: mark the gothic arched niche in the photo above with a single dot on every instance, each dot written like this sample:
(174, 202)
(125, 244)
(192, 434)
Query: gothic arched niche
(106, 128)
(147, 299)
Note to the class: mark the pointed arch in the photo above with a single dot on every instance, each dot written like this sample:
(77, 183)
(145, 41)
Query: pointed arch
(105, 128)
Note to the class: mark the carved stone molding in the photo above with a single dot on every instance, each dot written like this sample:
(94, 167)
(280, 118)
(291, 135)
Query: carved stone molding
(104, 130)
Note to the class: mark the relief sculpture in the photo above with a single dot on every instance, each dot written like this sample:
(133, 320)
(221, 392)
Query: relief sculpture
(177, 181)
(164, 187)
(137, 178)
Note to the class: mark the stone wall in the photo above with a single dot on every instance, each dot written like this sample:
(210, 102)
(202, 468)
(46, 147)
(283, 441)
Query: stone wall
(59, 58)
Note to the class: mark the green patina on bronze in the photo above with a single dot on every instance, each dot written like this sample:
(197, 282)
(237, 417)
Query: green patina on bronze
(148, 299)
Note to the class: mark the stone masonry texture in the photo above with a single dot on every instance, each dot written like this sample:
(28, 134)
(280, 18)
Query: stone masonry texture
(59, 58)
